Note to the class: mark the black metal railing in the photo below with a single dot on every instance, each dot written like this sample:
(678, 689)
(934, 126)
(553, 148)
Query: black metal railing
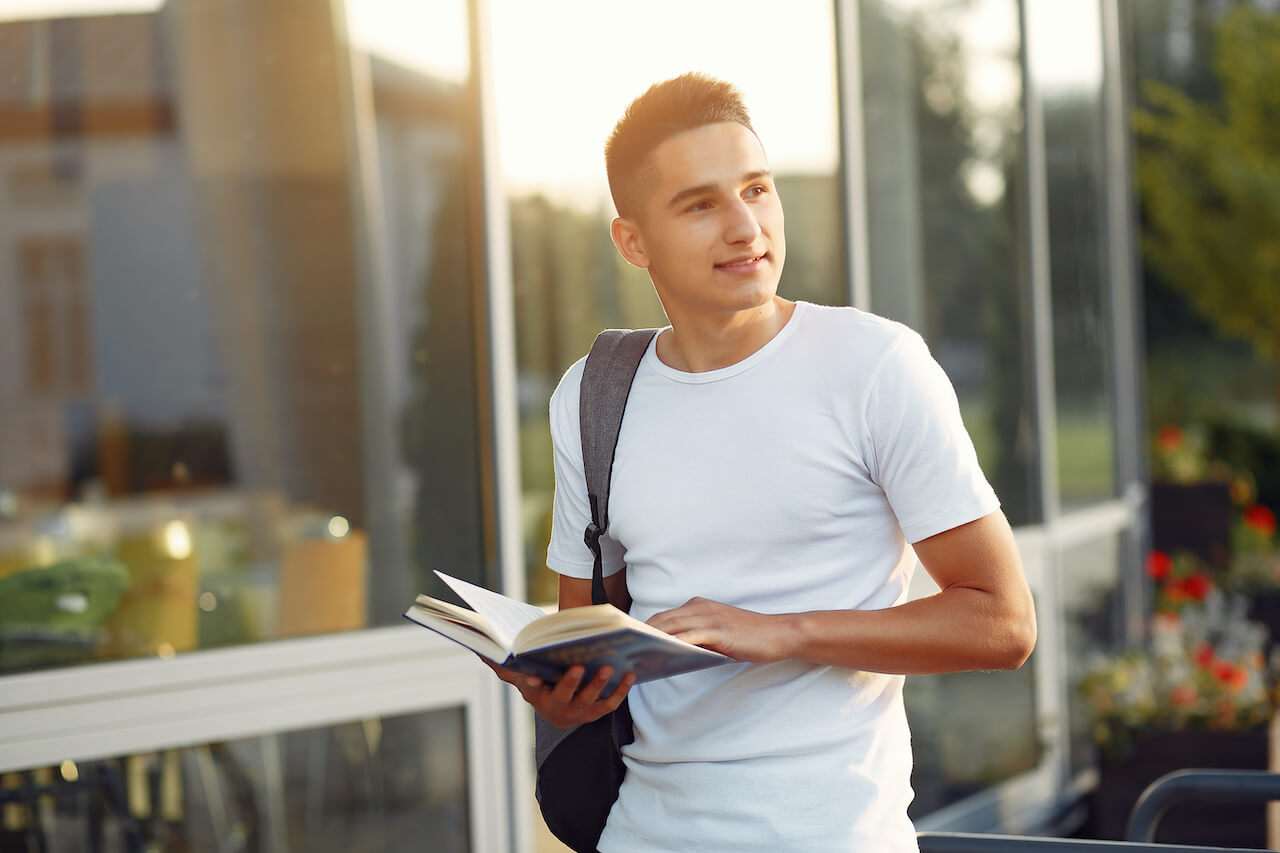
(974, 842)
(1234, 786)
(1229, 786)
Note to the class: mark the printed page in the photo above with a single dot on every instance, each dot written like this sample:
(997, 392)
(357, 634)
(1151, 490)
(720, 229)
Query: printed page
(506, 616)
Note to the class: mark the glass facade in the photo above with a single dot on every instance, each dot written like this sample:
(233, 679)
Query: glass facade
(1068, 86)
(970, 732)
(942, 112)
(252, 388)
(240, 279)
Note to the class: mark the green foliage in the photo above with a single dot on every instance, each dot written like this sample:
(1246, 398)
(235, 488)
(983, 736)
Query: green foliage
(1209, 178)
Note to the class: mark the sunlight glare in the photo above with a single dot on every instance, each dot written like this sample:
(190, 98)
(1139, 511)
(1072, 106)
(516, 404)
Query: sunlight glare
(564, 71)
(427, 37)
(18, 10)
(1065, 46)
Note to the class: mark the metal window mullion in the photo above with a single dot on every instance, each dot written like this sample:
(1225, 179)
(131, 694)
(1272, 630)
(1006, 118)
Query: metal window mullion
(1090, 524)
(852, 152)
(1044, 388)
(1126, 324)
(516, 765)
(1043, 368)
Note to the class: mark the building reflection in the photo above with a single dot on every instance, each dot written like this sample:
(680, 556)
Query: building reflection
(203, 365)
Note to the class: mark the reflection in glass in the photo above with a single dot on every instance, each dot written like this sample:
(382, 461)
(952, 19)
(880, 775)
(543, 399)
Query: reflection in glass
(943, 123)
(1066, 64)
(970, 731)
(1093, 627)
(394, 784)
(569, 280)
(238, 390)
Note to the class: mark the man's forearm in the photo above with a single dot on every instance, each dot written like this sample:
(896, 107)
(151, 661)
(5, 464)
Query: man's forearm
(954, 630)
(983, 618)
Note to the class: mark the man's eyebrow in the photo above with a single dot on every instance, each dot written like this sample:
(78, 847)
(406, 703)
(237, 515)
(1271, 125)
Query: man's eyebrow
(703, 189)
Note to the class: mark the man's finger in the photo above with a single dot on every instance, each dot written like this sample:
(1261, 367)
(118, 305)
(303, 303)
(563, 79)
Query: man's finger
(591, 692)
(511, 676)
(568, 684)
(614, 700)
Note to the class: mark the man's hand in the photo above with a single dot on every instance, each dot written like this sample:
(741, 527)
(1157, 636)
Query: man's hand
(568, 702)
(741, 634)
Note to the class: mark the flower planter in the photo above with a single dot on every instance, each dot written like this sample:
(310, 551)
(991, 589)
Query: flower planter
(1194, 517)
(1264, 608)
(1191, 822)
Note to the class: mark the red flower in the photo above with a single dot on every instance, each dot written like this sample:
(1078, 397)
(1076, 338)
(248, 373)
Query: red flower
(1197, 585)
(1260, 519)
(1183, 695)
(1159, 564)
(1205, 655)
(1231, 676)
(1169, 438)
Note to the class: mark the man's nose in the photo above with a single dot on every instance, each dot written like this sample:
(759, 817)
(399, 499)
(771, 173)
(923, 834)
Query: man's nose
(741, 225)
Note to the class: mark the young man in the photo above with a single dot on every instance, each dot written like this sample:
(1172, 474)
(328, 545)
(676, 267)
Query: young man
(775, 462)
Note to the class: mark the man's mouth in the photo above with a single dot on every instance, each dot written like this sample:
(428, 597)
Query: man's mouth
(741, 262)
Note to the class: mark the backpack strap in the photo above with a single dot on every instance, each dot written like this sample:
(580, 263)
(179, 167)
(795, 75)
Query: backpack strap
(606, 382)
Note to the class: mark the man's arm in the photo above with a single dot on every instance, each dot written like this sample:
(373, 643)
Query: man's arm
(982, 618)
(569, 702)
(576, 592)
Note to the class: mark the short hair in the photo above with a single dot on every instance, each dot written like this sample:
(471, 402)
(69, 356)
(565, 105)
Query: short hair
(664, 110)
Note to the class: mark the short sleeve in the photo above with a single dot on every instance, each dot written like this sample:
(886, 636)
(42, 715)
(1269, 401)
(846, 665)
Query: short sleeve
(921, 453)
(567, 553)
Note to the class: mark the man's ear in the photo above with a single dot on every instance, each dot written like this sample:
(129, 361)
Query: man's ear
(626, 236)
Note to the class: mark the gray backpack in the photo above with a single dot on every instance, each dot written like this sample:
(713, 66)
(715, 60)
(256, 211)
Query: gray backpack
(581, 769)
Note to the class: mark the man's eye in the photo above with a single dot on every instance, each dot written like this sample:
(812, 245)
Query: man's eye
(755, 192)
(699, 206)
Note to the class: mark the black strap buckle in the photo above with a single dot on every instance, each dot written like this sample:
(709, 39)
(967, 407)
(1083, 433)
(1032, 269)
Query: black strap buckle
(592, 536)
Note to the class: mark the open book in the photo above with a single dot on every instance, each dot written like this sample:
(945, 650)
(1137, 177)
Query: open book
(525, 638)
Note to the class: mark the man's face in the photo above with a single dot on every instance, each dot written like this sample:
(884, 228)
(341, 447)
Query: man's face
(708, 227)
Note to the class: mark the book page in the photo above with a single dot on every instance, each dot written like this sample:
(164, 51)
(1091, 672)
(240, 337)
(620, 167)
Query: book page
(459, 631)
(505, 616)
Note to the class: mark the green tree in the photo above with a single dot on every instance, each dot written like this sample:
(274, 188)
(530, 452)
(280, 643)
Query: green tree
(1209, 179)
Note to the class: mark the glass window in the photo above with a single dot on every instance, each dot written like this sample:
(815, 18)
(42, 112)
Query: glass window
(239, 385)
(1065, 61)
(387, 784)
(555, 110)
(970, 731)
(1091, 589)
(943, 122)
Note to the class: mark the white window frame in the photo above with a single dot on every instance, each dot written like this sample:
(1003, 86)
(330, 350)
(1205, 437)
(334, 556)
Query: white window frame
(120, 708)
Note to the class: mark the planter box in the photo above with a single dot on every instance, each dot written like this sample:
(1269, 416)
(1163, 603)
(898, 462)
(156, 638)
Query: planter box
(1195, 517)
(1189, 822)
(1264, 609)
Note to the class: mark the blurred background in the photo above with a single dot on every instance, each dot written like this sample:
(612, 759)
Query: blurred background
(285, 288)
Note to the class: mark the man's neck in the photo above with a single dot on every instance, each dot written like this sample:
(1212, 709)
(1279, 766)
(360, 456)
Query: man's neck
(696, 345)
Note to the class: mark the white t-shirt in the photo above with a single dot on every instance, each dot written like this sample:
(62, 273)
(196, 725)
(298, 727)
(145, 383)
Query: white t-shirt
(788, 482)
